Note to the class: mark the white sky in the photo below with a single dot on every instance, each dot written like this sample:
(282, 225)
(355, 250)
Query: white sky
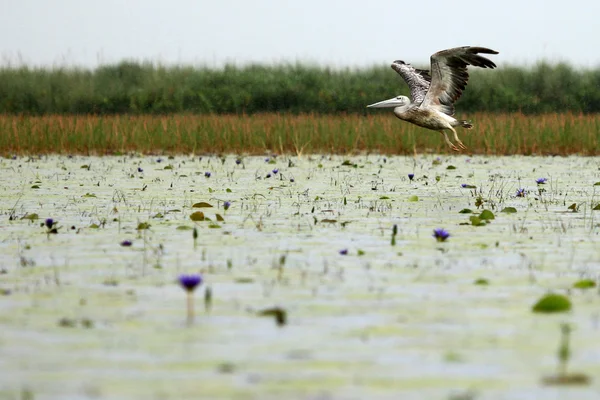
(335, 33)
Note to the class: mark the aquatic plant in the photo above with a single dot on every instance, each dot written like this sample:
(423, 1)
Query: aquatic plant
(394, 233)
(275, 171)
(189, 283)
(126, 243)
(521, 192)
(226, 205)
(411, 176)
(207, 174)
(541, 181)
(440, 234)
(343, 252)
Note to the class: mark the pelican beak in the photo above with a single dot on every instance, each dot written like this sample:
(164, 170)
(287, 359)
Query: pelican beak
(393, 102)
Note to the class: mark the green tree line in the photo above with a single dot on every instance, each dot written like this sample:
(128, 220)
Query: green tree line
(146, 88)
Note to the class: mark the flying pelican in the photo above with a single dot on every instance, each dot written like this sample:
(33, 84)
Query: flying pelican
(434, 93)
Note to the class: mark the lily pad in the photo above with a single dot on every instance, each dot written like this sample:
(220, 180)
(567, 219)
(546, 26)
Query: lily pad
(202, 204)
(509, 210)
(552, 303)
(31, 217)
(486, 215)
(466, 211)
(476, 221)
(585, 284)
(197, 216)
(413, 198)
(220, 218)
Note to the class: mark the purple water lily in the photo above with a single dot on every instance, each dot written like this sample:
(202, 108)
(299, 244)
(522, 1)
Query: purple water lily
(440, 234)
(190, 282)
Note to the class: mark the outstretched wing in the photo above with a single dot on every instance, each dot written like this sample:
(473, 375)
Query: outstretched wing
(449, 75)
(418, 80)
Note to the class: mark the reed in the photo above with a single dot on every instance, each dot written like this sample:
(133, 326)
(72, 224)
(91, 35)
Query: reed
(381, 132)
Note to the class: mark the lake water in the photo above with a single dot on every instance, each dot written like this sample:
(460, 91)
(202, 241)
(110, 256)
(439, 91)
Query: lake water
(85, 317)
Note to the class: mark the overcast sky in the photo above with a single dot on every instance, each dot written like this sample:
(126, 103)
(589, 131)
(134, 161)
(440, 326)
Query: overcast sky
(336, 33)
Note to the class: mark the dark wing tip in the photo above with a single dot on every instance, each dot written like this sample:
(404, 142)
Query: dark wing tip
(484, 50)
(399, 62)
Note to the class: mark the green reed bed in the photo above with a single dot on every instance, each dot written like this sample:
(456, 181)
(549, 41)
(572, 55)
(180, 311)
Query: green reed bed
(381, 132)
(146, 88)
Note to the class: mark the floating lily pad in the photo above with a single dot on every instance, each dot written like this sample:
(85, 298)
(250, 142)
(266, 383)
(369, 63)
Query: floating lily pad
(450, 167)
(466, 211)
(89, 195)
(35, 186)
(552, 303)
(94, 226)
(509, 210)
(31, 217)
(476, 221)
(597, 207)
(486, 215)
(142, 226)
(567, 380)
(184, 228)
(384, 198)
(597, 184)
(585, 284)
(220, 218)
(278, 313)
(244, 280)
(202, 204)
(329, 221)
(413, 198)
(481, 281)
(197, 216)
(214, 226)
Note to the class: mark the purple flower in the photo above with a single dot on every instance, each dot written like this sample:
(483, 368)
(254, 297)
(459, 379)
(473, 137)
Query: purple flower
(190, 282)
(464, 185)
(343, 252)
(140, 169)
(238, 161)
(521, 193)
(267, 159)
(207, 174)
(268, 176)
(126, 243)
(275, 171)
(440, 234)
(292, 180)
(226, 205)
(49, 223)
(159, 160)
(411, 176)
(541, 181)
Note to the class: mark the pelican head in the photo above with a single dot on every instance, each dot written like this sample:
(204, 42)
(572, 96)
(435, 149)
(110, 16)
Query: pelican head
(394, 102)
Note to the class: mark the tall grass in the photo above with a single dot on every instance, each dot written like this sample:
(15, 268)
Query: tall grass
(143, 88)
(498, 134)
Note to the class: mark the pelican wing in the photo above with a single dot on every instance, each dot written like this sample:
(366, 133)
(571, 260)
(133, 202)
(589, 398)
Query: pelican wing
(418, 80)
(449, 75)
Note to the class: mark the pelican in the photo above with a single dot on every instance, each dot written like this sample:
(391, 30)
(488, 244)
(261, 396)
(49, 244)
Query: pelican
(434, 93)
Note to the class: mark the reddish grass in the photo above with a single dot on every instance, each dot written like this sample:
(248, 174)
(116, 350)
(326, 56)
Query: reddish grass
(493, 134)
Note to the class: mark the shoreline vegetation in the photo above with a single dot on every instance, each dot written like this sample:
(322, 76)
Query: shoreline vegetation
(545, 109)
(141, 88)
(285, 133)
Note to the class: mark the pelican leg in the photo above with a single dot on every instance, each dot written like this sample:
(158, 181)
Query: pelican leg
(457, 140)
(452, 146)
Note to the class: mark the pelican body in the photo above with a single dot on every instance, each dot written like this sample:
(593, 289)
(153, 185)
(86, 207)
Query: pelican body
(434, 94)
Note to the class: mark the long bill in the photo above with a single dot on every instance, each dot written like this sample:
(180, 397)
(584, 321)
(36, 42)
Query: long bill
(389, 103)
